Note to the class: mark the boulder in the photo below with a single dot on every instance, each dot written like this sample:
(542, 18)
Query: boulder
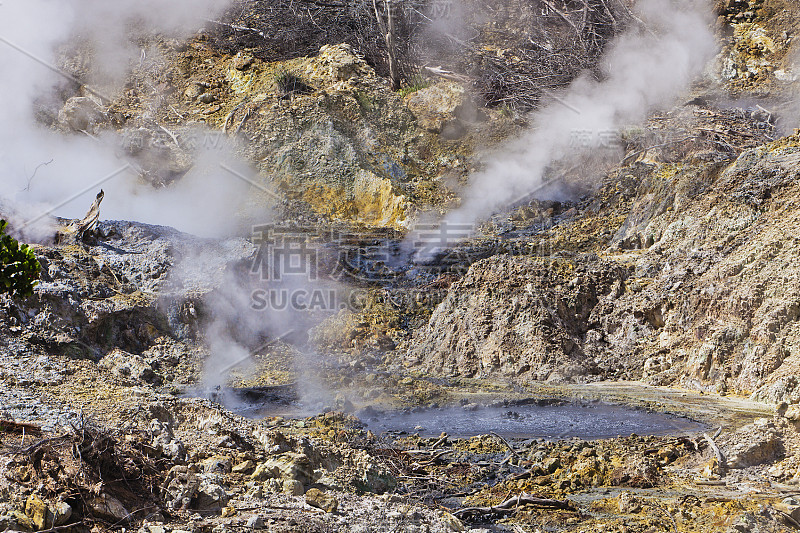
(289, 465)
(242, 61)
(322, 500)
(793, 413)
(193, 91)
(273, 441)
(292, 487)
(210, 497)
(81, 114)
(445, 108)
(754, 444)
(37, 511)
(16, 520)
(790, 506)
(108, 507)
(376, 203)
(272, 486)
(129, 366)
(551, 464)
(244, 467)
(217, 464)
(262, 473)
(337, 63)
(61, 513)
(628, 503)
(451, 523)
(255, 522)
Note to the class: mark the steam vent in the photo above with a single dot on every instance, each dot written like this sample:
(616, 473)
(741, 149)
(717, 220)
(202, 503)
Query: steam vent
(400, 266)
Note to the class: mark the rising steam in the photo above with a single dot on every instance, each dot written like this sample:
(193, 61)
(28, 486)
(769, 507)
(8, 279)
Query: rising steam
(645, 68)
(43, 171)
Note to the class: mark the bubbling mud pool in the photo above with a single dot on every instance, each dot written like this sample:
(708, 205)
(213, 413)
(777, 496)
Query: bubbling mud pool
(530, 419)
(559, 421)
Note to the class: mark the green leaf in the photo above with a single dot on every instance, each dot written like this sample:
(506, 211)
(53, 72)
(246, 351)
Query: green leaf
(19, 268)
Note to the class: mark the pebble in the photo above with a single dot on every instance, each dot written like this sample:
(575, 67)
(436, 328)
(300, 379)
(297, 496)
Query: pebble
(255, 522)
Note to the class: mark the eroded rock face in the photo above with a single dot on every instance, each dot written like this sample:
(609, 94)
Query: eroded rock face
(758, 50)
(754, 444)
(520, 317)
(344, 145)
(698, 287)
(325, 132)
(131, 290)
(721, 277)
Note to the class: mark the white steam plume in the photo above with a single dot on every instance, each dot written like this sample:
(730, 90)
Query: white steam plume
(30, 32)
(644, 69)
(202, 202)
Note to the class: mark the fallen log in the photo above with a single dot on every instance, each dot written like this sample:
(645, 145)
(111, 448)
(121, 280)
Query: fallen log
(9, 426)
(511, 505)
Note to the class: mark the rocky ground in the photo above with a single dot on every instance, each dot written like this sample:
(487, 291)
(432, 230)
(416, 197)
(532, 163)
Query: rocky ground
(671, 286)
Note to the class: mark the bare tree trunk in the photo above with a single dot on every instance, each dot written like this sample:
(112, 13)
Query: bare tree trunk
(387, 28)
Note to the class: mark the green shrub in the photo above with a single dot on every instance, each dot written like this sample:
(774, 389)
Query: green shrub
(415, 84)
(19, 268)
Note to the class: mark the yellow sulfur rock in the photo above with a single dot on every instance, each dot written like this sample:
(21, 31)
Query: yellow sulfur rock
(38, 512)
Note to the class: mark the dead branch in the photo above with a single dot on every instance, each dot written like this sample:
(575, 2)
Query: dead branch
(230, 116)
(420, 452)
(565, 17)
(511, 506)
(788, 519)
(399, 38)
(172, 135)
(511, 448)
(440, 442)
(89, 222)
(176, 112)
(40, 165)
(433, 458)
(447, 74)
(664, 511)
(723, 465)
(62, 528)
(39, 444)
(637, 153)
(238, 27)
(244, 119)
(388, 30)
